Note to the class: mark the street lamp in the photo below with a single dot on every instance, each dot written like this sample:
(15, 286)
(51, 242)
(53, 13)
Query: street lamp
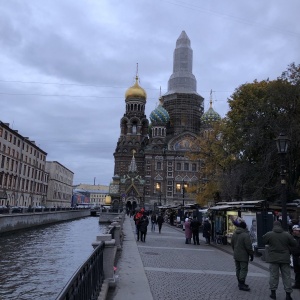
(282, 143)
(158, 189)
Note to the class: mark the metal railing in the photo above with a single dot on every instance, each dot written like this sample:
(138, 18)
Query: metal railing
(87, 281)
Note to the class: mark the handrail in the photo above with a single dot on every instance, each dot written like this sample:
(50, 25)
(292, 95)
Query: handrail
(87, 281)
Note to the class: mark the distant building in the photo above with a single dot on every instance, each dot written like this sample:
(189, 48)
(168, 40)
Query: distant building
(60, 184)
(23, 176)
(94, 194)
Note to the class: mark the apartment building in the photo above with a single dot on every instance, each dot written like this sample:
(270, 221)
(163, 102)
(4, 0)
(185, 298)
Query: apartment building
(60, 184)
(23, 176)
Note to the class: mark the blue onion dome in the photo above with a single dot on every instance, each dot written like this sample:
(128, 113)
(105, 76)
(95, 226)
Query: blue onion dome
(159, 115)
(210, 116)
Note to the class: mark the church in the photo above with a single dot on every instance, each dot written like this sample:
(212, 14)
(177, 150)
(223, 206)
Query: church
(152, 167)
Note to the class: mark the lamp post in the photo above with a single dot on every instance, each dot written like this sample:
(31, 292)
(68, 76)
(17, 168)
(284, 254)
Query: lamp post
(282, 143)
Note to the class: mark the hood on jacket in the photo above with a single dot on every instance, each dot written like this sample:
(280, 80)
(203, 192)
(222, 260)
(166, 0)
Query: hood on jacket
(277, 228)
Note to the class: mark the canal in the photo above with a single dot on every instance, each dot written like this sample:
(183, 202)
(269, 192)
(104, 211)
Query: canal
(37, 263)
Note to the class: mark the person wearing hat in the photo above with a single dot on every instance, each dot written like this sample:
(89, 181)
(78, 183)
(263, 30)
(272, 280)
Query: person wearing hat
(296, 256)
(242, 251)
(279, 242)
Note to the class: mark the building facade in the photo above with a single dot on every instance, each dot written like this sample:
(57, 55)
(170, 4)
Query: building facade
(97, 195)
(152, 160)
(60, 184)
(23, 175)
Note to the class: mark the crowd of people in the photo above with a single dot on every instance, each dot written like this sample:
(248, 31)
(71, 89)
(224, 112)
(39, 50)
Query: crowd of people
(281, 245)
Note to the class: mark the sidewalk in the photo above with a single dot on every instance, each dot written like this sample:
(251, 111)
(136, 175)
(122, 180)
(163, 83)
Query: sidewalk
(165, 268)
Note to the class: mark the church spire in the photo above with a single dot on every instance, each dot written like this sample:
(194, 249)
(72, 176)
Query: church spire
(132, 166)
(182, 80)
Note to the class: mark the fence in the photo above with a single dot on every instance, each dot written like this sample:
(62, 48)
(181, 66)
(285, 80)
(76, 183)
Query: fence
(87, 281)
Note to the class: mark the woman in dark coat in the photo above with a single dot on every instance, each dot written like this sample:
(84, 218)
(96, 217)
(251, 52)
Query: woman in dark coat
(207, 231)
(143, 227)
(159, 222)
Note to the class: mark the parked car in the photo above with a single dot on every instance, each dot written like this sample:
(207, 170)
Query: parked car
(4, 209)
(16, 209)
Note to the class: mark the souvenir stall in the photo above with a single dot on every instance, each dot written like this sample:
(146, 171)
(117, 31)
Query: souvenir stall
(223, 214)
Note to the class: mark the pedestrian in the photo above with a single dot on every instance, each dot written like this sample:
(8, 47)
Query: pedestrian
(195, 225)
(296, 256)
(242, 250)
(137, 218)
(153, 221)
(207, 231)
(188, 231)
(159, 221)
(279, 242)
(143, 226)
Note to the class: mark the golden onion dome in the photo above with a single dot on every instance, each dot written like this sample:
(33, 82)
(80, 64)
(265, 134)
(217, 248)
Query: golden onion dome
(136, 91)
(108, 200)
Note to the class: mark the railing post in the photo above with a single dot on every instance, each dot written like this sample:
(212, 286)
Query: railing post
(117, 233)
(109, 255)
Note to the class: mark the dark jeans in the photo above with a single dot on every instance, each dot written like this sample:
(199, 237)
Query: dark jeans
(143, 236)
(196, 237)
(159, 227)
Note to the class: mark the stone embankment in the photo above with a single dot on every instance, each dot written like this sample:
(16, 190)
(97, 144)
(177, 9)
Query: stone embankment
(12, 222)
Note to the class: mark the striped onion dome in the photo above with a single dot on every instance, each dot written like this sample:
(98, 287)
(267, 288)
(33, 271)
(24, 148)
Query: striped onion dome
(159, 115)
(211, 115)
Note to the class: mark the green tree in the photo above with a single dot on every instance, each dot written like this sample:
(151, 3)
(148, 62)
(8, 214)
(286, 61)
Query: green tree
(259, 111)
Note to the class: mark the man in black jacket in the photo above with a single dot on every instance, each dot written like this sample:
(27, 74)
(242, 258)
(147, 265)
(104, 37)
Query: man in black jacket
(195, 225)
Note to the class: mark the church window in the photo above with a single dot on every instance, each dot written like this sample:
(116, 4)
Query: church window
(134, 128)
(158, 165)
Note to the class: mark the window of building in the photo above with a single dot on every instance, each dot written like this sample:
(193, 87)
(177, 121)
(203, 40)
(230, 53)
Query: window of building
(1, 131)
(186, 166)
(15, 140)
(10, 138)
(169, 168)
(194, 167)
(5, 135)
(178, 166)
(158, 165)
(170, 174)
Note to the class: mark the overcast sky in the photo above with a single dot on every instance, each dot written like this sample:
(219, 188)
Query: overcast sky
(66, 64)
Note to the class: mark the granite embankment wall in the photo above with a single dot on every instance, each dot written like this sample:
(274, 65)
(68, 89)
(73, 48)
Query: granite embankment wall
(14, 222)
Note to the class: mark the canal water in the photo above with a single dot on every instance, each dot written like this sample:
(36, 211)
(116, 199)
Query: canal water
(37, 263)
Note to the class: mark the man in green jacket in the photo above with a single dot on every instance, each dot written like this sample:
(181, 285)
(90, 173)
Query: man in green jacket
(242, 250)
(279, 242)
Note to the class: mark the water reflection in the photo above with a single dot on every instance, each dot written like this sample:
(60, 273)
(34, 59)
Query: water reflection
(37, 263)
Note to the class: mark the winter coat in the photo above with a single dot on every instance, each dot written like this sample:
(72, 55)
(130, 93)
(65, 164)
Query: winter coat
(187, 230)
(241, 245)
(143, 224)
(153, 219)
(279, 242)
(195, 225)
(137, 217)
(206, 229)
(296, 250)
(160, 220)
